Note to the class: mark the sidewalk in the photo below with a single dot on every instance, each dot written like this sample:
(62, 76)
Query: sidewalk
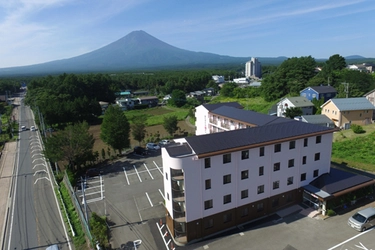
(7, 163)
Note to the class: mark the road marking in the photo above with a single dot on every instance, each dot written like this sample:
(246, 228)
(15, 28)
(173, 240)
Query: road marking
(148, 171)
(137, 173)
(161, 172)
(36, 155)
(149, 200)
(93, 200)
(162, 195)
(137, 208)
(126, 175)
(36, 172)
(40, 179)
(143, 171)
(42, 164)
(38, 159)
(342, 243)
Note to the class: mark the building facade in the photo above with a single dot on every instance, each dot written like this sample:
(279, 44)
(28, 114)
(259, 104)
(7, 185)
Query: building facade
(217, 181)
(298, 102)
(319, 92)
(253, 68)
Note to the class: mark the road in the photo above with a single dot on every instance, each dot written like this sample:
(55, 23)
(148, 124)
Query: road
(35, 222)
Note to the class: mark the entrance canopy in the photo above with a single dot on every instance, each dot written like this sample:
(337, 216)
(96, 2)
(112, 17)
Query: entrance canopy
(336, 183)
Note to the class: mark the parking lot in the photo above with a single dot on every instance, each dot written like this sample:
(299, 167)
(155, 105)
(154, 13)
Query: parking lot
(130, 193)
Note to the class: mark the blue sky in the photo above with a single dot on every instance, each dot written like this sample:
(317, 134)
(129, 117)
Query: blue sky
(37, 31)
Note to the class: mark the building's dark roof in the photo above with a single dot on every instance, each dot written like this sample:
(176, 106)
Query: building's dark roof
(178, 149)
(248, 116)
(147, 98)
(210, 107)
(338, 180)
(323, 89)
(349, 104)
(246, 137)
(317, 119)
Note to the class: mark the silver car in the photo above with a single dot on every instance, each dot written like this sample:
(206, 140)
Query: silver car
(363, 219)
(152, 146)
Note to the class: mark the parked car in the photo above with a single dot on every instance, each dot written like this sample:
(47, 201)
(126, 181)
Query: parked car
(363, 219)
(164, 142)
(140, 151)
(152, 146)
(23, 128)
(32, 128)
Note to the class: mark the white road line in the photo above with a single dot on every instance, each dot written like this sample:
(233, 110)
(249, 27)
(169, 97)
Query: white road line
(148, 171)
(93, 200)
(93, 193)
(149, 200)
(137, 173)
(143, 171)
(161, 172)
(161, 193)
(342, 243)
(137, 208)
(126, 176)
(161, 234)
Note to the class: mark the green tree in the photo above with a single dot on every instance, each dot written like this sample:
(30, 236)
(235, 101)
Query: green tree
(74, 145)
(178, 98)
(293, 112)
(170, 124)
(228, 89)
(115, 129)
(138, 128)
(98, 228)
(317, 104)
(335, 62)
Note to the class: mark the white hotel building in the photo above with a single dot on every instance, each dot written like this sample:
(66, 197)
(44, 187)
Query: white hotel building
(256, 165)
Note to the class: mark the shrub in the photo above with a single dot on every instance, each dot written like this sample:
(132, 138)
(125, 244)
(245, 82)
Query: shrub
(330, 212)
(99, 229)
(357, 129)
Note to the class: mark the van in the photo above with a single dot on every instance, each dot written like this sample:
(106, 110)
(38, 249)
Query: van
(363, 219)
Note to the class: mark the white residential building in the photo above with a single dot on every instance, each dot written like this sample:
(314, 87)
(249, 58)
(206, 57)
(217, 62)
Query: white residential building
(297, 102)
(253, 68)
(217, 181)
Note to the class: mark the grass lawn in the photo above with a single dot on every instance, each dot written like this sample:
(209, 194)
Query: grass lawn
(257, 104)
(355, 150)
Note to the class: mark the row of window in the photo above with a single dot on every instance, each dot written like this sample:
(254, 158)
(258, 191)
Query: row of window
(260, 188)
(227, 158)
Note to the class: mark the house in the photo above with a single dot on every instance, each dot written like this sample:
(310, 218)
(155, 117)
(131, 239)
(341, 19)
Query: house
(321, 120)
(123, 94)
(371, 97)
(151, 101)
(104, 106)
(202, 115)
(218, 79)
(218, 181)
(346, 111)
(125, 104)
(209, 91)
(364, 67)
(319, 92)
(297, 102)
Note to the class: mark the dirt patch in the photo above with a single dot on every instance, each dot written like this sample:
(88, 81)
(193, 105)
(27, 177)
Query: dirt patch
(184, 130)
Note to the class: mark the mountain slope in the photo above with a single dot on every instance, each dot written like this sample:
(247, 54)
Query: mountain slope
(137, 50)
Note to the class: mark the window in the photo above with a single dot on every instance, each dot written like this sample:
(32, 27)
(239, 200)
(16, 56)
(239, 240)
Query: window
(227, 217)
(260, 189)
(226, 179)
(277, 147)
(292, 144)
(290, 180)
(208, 184)
(303, 177)
(304, 160)
(261, 151)
(208, 223)
(276, 166)
(208, 204)
(305, 142)
(166, 175)
(207, 162)
(291, 163)
(244, 174)
(276, 184)
(260, 207)
(318, 139)
(261, 171)
(226, 158)
(245, 212)
(227, 198)
(244, 194)
(317, 157)
(245, 154)
(316, 172)
(168, 196)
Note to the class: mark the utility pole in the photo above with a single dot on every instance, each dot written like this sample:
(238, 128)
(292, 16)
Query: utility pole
(346, 90)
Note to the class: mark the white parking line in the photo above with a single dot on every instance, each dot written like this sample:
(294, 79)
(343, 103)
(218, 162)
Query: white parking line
(143, 171)
(161, 193)
(137, 208)
(148, 171)
(127, 180)
(161, 172)
(342, 243)
(149, 200)
(137, 173)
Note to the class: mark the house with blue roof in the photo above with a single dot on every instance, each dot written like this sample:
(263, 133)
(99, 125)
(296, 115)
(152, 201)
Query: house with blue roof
(346, 111)
(319, 92)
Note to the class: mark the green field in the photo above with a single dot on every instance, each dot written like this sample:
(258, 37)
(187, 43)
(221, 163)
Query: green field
(257, 104)
(355, 150)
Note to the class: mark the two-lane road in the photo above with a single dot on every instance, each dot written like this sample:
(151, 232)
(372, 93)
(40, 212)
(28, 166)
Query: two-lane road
(35, 221)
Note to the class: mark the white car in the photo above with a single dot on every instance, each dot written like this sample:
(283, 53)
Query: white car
(32, 128)
(23, 128)
(152, 146)
(164, 142)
